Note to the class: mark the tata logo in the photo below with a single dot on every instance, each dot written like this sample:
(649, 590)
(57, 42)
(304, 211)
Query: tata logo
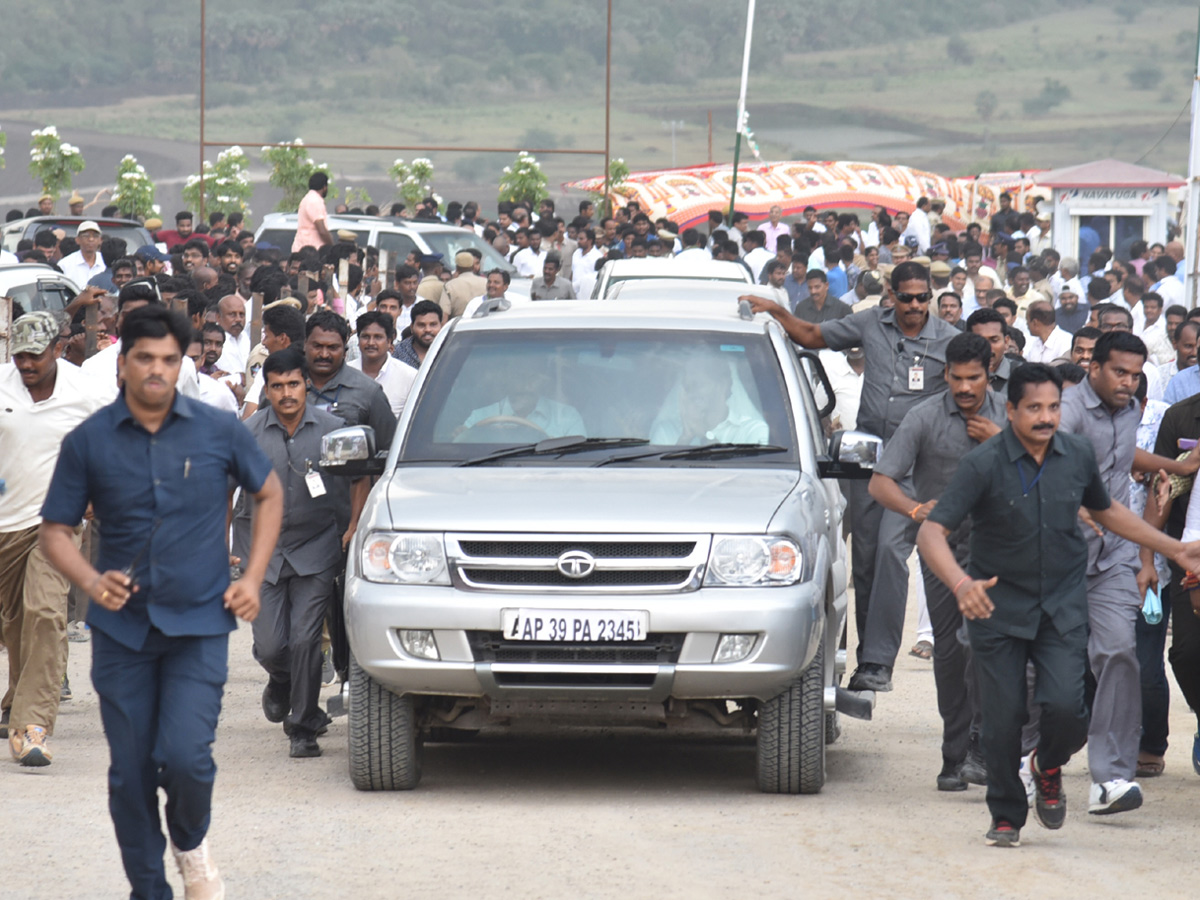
(577, 564)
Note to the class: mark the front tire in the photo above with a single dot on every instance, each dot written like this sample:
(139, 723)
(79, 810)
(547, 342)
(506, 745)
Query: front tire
(791, 734)
(385, 741)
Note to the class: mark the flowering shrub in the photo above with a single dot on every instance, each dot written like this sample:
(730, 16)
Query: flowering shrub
(523, 180)
(618, 174)
(414, 181)
(53, 161)
(227, 187)
(291, 167)
(134, 192)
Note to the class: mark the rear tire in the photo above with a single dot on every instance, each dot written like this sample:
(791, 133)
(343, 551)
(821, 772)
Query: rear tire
(385, 741)
(791, 734)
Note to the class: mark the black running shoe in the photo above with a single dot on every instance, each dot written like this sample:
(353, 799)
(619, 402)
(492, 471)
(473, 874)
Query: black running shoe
(1003, 833)
(1050, 803)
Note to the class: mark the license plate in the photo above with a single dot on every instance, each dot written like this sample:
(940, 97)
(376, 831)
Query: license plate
(575, 625)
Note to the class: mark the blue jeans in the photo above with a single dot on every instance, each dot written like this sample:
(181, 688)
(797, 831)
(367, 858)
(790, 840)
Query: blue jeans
(1156, 692)
(160, 707)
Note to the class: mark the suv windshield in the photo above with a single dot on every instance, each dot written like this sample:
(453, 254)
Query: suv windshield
(448, 243)
(636, 396)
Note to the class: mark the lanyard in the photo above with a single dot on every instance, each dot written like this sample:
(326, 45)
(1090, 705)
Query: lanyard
(1026, 488)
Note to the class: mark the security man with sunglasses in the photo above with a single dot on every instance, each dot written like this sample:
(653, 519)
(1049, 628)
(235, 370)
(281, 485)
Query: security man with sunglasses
(905, 351)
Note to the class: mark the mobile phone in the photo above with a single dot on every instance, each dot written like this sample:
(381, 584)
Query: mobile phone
(1187, 443)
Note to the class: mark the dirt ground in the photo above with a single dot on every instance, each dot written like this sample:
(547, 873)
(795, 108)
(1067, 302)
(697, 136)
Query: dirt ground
(634, 814)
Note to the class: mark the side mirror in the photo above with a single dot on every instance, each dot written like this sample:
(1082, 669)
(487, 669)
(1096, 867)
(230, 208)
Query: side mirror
(351, 452)
(852, 454)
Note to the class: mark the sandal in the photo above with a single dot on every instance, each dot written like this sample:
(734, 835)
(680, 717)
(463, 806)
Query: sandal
(922, 650)
(1150, 766)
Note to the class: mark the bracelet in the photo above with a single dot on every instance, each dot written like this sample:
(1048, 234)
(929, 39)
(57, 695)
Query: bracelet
(960, 584)
(912, 513)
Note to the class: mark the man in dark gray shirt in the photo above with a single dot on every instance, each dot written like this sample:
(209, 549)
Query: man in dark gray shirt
(934, 436)
(905, 352)
(818, 306)
(299, 580)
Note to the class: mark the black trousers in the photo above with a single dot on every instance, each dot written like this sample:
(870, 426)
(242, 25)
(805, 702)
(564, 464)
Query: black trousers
(1060, 661)
(953, 670)
(1184, 654)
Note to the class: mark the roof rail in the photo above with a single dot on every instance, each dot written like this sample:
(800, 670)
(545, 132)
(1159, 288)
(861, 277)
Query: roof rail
(491, 305)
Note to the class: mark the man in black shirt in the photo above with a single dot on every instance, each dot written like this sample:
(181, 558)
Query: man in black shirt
(1024, 591)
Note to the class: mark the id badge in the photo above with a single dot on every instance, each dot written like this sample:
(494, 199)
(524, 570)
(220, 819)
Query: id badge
(316, 487)
(916, 378)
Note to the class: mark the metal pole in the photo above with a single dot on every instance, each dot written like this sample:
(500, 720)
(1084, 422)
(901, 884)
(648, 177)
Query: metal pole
(608, 110)
(202, 143)
(741, 109)
(1192, 227)
(710, 159)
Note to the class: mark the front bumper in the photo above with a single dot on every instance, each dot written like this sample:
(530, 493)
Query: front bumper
(788, 622)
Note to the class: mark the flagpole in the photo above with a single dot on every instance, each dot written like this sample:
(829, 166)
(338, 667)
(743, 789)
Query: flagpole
(1192, 226)
(741, 109)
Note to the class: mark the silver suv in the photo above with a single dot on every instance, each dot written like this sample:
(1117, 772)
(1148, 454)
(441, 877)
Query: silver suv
(604, 514)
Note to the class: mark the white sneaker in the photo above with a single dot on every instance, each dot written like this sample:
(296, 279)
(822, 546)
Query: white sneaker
(201, 880)
(1027, 779)
(1114, 796)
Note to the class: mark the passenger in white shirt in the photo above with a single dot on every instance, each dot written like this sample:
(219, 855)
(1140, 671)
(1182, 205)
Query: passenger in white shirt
(919, 226)
(86, 262)
(212, 392)
(376, 334)
(1047, 342)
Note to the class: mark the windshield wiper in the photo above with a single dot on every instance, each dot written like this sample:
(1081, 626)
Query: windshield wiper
(572, 443)
(706, 451)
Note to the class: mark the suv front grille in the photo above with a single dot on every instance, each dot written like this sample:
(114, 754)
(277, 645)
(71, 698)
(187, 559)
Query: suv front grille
(491, 646)
(540, 563)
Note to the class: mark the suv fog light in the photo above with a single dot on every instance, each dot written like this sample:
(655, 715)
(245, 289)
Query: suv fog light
(734, 647)
(420, 644)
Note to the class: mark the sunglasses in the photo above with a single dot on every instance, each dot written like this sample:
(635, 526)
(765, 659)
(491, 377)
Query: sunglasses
(914, 298)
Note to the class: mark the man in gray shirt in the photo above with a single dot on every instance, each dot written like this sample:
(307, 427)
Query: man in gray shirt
(934, 436)
(1103, 410)
(299, 580)
(905, 351)
(818, 306)
(549, 286)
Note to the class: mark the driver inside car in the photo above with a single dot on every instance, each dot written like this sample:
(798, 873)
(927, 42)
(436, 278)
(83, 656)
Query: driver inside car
(708, 405)
(526, 403)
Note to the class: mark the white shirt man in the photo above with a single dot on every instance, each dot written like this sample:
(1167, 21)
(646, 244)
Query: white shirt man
(236, 354)
(75, 267)
(529, 262)
(215, 393)
(919, 227)
(101, 370)
(1056, 344)
(395, 378)
(583, 270)
(756, 259)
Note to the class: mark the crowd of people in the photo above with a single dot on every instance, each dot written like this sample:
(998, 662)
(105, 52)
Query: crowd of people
(1023, 404)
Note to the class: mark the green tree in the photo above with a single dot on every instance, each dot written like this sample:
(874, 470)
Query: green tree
(959, 51)
(291, 167)
(3, 144)
(227, 186)
(133, 194)
(986, 103)
(414, 181)
(52, 161)
(523, 180)
(1053, 94)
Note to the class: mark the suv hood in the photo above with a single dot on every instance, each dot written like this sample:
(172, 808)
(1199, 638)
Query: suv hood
(609, 500)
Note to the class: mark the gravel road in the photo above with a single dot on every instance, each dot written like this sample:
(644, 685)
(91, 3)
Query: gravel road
(630, 814)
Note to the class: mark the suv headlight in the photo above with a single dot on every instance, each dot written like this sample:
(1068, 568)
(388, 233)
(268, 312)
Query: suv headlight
(391, 557)
(743, 559)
